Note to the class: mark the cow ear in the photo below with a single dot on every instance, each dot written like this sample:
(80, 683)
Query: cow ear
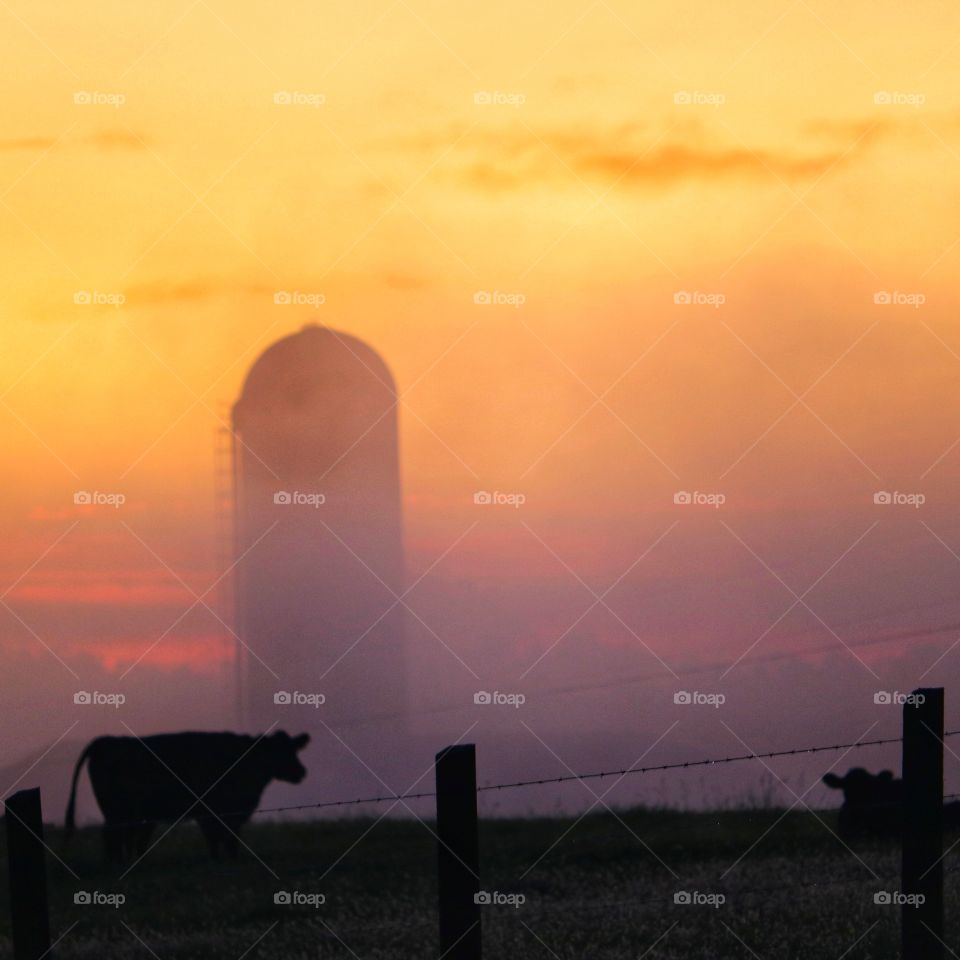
(832, 780)
(300, 742)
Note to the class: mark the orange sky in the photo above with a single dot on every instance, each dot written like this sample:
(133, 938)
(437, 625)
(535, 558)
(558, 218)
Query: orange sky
(798, 159)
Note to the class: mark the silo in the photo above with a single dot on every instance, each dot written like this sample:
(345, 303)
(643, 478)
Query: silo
(318, 541)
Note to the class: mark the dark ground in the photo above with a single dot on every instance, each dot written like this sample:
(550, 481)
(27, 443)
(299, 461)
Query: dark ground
(605, 890)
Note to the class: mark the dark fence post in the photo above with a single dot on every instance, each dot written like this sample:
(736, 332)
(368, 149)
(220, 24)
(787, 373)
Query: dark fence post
(922, 864)
(458, 852)
(30, 925)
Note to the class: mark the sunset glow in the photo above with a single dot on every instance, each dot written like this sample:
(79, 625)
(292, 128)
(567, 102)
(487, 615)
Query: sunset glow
(609, 255)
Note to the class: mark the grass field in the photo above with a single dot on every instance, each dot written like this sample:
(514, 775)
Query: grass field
(602, 888)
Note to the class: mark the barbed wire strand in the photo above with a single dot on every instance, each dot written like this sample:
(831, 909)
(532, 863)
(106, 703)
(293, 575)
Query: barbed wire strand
(682, 764)
(539, 781)
(766, 893)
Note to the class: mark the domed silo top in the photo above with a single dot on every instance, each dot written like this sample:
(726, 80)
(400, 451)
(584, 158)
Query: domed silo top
(314, 368)
(316, 403)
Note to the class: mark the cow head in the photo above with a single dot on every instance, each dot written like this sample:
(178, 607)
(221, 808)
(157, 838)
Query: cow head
(862, 788)
(281, 751)
(871, 802)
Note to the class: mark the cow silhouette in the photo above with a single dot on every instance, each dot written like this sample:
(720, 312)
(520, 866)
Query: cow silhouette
(873, 804)
(215, 778)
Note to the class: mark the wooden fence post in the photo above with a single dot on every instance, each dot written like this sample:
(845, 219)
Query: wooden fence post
(30, 924)
(922, 863)
(458, 853)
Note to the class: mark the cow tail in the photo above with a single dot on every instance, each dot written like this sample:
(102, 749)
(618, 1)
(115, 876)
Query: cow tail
(69, 825)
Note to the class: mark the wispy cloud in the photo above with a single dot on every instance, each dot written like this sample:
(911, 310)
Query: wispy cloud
(107, 139)
(522, 157)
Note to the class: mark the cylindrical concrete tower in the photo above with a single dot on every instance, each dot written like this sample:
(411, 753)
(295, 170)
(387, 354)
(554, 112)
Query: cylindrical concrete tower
(319, 550)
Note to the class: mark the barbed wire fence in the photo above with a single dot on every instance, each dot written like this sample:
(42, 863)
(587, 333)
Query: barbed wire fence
(566, 778)
(455, 835)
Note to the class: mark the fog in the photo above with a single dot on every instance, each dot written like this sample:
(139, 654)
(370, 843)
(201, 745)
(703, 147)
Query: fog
(586, 591)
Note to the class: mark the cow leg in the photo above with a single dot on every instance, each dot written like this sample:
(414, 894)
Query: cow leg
(113, 843)
(213, 833)
(231, 837)
(222, 836)
(142, 839)
(128, 840)
(846, 827)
